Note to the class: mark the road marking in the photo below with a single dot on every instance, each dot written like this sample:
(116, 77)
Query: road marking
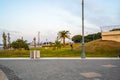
(96, 79)
(109, 66)
(91, 74)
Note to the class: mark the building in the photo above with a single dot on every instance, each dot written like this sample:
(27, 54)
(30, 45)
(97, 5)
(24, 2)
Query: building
(112, 35)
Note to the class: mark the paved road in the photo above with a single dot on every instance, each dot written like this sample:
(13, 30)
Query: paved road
(89, 69)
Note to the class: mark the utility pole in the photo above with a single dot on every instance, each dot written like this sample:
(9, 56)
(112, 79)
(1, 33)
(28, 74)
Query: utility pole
(101, 31)
(9, 44)
(46, 41)
(83, 44)
(38, 38)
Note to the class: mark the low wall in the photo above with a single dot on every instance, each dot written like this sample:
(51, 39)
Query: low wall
(112, 35)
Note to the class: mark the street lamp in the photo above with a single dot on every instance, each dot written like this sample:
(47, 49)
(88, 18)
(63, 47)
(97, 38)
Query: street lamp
(83, 44)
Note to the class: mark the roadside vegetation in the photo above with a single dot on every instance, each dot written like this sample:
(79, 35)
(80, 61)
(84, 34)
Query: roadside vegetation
(94, 47)
(97, 48)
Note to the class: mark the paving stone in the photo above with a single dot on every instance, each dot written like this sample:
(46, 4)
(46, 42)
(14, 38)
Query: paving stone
(64, 69)
(10, 75)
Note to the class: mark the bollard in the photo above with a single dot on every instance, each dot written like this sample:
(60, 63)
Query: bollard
(34, 57)
(37, 54)
(31, 54)
(34, 54)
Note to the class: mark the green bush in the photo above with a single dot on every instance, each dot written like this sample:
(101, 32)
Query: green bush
(19, 43)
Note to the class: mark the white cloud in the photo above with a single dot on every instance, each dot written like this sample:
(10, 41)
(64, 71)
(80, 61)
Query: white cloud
(50, 19)
(101, 13)
(50, 22)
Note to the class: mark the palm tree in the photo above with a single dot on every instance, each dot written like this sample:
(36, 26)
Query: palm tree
(62, 35)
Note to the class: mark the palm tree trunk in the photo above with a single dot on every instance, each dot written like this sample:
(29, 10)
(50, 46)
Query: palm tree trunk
(64, 42)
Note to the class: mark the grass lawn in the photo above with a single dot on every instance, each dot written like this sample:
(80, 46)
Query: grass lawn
(97, 48)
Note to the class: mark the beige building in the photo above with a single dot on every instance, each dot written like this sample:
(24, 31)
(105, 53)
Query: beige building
(112, 35)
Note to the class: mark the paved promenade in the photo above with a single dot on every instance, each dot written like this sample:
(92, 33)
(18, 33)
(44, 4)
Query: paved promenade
(61, 69)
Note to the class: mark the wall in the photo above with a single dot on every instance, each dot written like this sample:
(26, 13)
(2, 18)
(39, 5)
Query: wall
(112, 35)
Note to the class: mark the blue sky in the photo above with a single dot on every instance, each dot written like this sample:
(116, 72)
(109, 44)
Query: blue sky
(27, 17)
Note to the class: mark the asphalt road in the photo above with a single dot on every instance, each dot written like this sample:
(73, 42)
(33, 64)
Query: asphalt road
(65, 69)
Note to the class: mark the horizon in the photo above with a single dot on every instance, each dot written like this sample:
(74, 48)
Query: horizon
(25, 18)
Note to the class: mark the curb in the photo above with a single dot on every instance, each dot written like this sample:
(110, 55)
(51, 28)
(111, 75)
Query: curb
(59, 58)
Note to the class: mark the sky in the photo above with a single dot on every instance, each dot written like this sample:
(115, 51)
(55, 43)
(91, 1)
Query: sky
(25, 18)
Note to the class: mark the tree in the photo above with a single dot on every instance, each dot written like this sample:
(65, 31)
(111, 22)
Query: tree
(92, 37)
(4, 40)
(9, 44)
(115, 29)
(57, 44)
(62, 35)
(19, 43)
(77, 38)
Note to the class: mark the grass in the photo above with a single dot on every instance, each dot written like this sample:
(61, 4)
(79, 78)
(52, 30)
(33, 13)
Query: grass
(63, 52)
(14, 53)
(103, 48)
(97, 48)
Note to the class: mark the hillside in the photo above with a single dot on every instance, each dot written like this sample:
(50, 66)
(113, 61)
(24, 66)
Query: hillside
(99, 48)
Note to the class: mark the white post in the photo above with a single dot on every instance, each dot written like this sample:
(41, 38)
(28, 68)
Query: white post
(31, 54)
(34, 54)
(38, 54)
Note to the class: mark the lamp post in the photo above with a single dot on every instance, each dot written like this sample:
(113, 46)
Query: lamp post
(83, 44)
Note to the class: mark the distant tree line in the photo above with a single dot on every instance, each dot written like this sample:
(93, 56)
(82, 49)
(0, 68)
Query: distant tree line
(90, 37)
(77, 38)
(116, 29)
(62, 35)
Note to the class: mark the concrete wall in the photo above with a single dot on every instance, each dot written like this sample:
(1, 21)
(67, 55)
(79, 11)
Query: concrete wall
(112, 35)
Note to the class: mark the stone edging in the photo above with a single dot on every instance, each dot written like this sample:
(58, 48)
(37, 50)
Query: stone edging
(9, 73)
